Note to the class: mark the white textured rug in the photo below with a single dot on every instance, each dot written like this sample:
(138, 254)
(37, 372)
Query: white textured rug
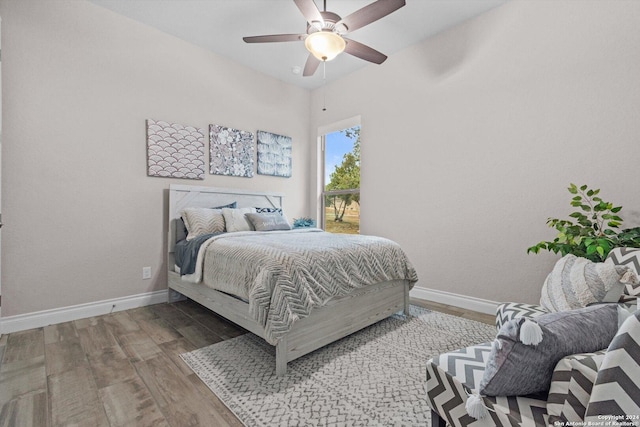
(375, 377)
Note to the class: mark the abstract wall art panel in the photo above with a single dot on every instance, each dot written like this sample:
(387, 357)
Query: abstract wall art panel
(231, 151)
(274, 154)
(175, 151)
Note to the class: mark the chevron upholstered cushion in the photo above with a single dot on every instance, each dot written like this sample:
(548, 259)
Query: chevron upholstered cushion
(616, 391)
(629, 257)
(571, 384)
(511, 310)
(605, 382)
(451, 377)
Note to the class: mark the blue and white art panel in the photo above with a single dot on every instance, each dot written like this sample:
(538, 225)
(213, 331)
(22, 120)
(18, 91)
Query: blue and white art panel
(174, 150)
(274, 154)
(231, 151)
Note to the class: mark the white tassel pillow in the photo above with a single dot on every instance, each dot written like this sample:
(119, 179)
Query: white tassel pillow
(577, 282)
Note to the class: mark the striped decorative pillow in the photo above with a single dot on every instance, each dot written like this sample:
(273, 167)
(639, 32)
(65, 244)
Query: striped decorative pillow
(577, 282)
(629, 257)
(201, 221)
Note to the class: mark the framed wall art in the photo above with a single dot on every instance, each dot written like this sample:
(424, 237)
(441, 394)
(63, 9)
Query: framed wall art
(274, 154)
(174, 150)
(231, 151)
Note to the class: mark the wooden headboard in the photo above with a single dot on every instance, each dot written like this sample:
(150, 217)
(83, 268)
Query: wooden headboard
(186, 196)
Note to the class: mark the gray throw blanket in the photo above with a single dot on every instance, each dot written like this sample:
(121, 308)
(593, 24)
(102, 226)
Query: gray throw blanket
(186, 252)
(284, 274)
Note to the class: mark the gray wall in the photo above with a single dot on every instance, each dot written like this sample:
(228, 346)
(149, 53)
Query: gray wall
(81, 216)
(470, 139)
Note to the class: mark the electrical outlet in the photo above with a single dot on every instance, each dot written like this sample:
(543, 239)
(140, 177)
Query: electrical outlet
(146, 272)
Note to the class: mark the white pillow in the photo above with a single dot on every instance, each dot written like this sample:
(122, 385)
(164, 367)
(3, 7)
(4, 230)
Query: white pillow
(201, 221)
(576, 282)
(235, 219)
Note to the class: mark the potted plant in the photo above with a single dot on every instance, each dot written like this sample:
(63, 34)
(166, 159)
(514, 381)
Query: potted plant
(592, 230)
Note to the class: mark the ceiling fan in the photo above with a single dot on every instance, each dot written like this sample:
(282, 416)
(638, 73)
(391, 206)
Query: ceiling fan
(324, 38)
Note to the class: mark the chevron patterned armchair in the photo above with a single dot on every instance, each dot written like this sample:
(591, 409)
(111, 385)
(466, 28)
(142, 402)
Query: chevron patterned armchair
(598, 388)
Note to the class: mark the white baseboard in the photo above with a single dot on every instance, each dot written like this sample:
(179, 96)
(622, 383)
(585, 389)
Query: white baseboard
(39, 319)
(457, 300)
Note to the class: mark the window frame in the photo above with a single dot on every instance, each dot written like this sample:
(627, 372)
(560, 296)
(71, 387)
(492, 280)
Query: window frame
(323, 192)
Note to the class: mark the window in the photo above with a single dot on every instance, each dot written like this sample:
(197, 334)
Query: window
(341, 189)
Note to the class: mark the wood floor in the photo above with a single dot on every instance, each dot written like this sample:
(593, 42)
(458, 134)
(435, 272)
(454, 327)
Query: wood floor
(121, 369)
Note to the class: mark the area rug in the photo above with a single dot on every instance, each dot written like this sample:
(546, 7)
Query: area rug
(375, 377)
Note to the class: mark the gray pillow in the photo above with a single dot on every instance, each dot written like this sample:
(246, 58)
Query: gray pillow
(516, 369)
(268, 221)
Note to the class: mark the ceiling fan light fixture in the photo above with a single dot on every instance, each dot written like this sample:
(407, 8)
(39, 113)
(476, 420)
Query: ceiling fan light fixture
(325, 45)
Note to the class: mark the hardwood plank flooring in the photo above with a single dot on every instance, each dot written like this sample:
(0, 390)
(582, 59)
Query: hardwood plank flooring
(122, 369)
(455, 311)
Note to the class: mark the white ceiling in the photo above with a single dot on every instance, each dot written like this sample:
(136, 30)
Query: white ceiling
(219, 25)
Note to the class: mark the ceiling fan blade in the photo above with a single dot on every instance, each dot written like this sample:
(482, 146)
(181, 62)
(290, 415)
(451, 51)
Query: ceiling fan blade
(309, 10)
(368, 14)
(274, 38)
(364, 52)
(311, 66)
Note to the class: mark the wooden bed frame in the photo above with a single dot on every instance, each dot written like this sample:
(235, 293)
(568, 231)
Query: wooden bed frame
(340, 317)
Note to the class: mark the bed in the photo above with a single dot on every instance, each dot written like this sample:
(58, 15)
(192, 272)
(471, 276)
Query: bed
(302, 317)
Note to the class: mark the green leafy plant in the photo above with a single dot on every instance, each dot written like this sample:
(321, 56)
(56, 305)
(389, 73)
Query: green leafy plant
(593, 230)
